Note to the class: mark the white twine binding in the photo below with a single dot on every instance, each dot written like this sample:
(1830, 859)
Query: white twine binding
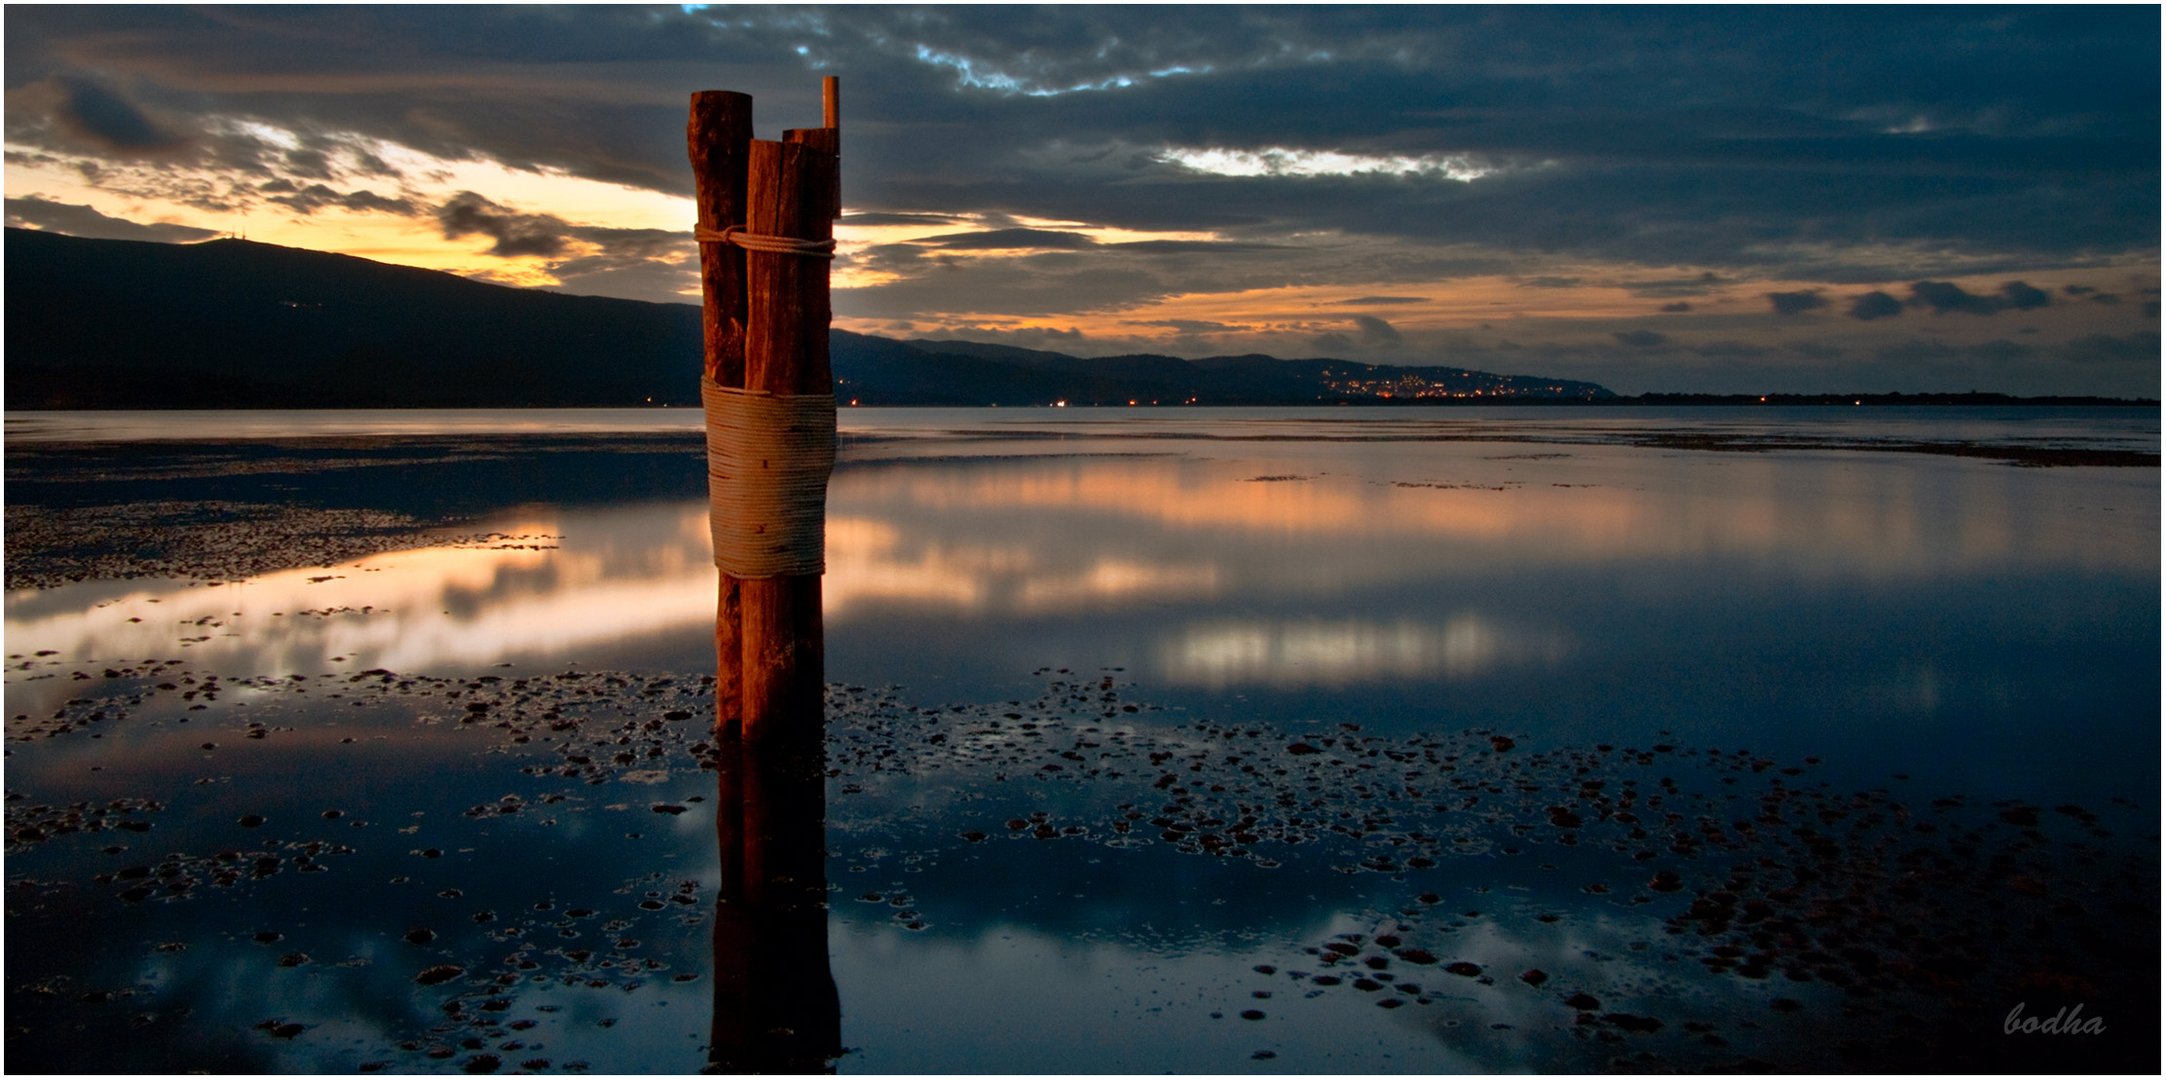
(768, 459)
(752, 241)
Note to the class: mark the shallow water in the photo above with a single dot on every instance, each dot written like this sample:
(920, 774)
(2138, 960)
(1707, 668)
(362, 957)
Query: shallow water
(1140, 590)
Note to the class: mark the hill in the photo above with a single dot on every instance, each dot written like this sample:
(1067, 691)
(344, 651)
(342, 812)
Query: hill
(116, 324)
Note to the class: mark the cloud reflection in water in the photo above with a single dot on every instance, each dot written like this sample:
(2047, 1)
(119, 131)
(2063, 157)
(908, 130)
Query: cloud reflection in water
(1315, 652)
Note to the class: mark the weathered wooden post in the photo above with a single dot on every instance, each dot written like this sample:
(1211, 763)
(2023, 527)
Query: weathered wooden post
(766, 212)
(766, 234)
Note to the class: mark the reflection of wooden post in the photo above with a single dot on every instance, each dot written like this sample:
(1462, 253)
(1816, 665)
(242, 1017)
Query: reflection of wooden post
(776, 1009)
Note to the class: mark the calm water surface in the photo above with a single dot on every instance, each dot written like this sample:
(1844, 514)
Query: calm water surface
(1943, 625)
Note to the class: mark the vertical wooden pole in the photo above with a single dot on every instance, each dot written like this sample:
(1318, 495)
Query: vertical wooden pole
(719, 136)
(792, 192)
(775, 1002)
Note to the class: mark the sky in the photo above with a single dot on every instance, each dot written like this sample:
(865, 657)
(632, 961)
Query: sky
(1705, 199)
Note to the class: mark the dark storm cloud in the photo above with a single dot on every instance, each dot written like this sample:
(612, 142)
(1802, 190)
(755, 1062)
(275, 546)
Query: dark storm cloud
(1875, 305)
(1946, 296)
(34, 212)
(1796, 303)
(2040, 132)
(1675, 308)
(97, 113)
(1640, 339)
(1364, 301)
(468, 214)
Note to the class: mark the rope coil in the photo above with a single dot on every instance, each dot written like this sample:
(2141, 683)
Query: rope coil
(752, 241)
(768, 460)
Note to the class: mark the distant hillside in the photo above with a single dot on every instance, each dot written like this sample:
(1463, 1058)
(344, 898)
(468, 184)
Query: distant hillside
(114, 324)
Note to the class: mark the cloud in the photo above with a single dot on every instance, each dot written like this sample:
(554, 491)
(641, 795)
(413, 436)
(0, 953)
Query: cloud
(30, 211)
(1553, 282)
(2024, 297)
(316, 197)
(873, 218)
(2102, 349)
(1874, 305)
(1640, 339)
(1361, 301)
(468, 214)
(1185, 326)
(96, 113)
(1005, 239)
(1796, 303)
(2091, 293)
(1728, 350)
(1697, 285)
(1374, 332)
(1675, 308)
(1946, 296)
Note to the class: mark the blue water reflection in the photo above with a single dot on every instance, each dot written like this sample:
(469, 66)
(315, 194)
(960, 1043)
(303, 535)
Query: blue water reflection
(1873, 606)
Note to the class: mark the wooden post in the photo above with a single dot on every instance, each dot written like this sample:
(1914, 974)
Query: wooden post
(792, 194)
(719, 138)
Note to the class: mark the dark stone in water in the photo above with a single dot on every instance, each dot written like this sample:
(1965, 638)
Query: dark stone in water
(1464, 969)
(1631, 1022)
(420, 936)
(441, 973)
(1414, 955)
(1584, 1002)
(1252, 1014)
(1534, 976)
(668, 808)
(250, 821)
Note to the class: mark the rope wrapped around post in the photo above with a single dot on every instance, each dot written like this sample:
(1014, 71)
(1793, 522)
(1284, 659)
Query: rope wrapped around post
(752, 241)
(768, 460)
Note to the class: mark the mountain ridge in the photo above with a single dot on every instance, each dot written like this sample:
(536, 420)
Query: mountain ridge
(238, 324)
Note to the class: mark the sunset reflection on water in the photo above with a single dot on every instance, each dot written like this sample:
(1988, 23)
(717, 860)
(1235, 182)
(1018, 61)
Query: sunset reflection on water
(1190, 539)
